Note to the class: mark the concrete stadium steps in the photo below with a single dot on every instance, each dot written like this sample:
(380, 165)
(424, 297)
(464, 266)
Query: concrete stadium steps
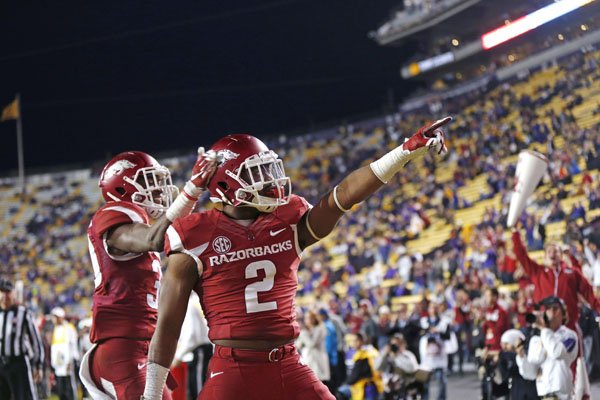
(473, 190)
(91, 192)
(445, 173)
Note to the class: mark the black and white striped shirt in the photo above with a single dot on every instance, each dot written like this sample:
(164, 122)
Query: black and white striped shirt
(19, 336)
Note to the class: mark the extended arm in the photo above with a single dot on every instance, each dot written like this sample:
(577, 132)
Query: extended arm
(363, 182)
(138, 237)
(530, 266)
(177, 284)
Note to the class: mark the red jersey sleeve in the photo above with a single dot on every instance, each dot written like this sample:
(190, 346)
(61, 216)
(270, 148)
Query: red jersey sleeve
(294, 210)
(531, 267)
(112, 215)
(182, 238)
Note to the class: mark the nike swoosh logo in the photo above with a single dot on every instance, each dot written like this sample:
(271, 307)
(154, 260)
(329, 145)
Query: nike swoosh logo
(213, 374)
(275, 233)
(141, 365)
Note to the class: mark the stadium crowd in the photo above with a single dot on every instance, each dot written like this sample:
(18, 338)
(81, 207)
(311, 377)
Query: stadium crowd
(376, 311)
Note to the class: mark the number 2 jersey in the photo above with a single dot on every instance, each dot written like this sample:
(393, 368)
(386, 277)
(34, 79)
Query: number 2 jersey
(126, 286)
(249, 280)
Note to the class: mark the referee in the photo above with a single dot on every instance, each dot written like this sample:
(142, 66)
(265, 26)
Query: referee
(21, 350)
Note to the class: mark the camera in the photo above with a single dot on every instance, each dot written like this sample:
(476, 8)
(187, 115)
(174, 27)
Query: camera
(394, 348)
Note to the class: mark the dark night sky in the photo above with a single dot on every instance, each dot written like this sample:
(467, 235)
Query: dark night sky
(98, 78)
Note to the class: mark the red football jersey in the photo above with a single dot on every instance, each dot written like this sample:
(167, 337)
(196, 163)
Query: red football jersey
(249, 279)
(125, 298)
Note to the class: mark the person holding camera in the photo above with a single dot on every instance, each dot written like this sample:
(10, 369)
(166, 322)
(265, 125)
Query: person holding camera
(550, 354)
(513, 385)
(398, 366)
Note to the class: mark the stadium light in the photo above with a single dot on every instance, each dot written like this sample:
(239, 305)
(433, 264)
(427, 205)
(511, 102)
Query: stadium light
(530, 22)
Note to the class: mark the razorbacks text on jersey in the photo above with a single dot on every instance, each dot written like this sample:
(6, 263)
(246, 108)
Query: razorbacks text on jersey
(125, 298)
(249, 279)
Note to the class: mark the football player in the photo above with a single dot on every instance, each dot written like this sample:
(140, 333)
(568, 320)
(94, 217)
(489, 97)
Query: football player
(127, 269)
(242, 260)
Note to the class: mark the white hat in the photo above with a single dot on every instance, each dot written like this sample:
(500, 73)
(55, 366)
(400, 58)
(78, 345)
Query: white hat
(58, 312)
(512, 337)
(384, 309)
(85, 323)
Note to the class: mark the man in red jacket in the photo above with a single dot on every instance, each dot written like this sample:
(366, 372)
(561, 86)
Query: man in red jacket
(556, 278)
(496, 320)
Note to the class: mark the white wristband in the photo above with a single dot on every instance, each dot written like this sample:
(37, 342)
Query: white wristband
(156, 377)
(184, 203)
(388, 165)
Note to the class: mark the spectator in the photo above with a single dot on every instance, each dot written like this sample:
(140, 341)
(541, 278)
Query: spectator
(550, 354)
(592, 256)
(312, 346)
(364, 380)
(64, 353)
(331, 347)
(463, 326)
(434, 358)
(555, 278)
(496, 320)
(369, 326)
(397, 366)
(84, 344)
(339, 374)
(513, 384)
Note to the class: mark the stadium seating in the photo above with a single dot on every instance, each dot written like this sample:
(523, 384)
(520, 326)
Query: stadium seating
(426, 208)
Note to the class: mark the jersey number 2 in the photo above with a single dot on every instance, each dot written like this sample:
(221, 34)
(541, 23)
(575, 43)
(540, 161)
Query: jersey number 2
(251, 294)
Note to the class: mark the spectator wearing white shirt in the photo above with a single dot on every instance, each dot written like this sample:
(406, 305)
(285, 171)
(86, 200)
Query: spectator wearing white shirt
(432, 350)
(64, 352)
(311, 343)
(551, 353)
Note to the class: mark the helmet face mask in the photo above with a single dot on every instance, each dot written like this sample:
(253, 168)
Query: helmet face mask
(138, 178)
(248, 174)
(263, 181)
(155, 190)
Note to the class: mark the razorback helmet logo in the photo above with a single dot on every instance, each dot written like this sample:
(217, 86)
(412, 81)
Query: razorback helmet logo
(226, 155)
(117, 168)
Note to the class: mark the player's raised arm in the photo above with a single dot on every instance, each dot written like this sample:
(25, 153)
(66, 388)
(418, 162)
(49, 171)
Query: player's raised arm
(138, 237)
(363, 182)
(181, 276)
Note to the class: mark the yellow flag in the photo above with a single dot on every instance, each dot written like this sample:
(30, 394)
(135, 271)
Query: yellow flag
(11, 111)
